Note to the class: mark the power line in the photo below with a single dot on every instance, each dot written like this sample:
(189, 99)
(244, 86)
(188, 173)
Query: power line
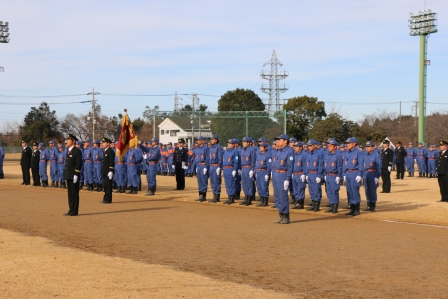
(55, 103)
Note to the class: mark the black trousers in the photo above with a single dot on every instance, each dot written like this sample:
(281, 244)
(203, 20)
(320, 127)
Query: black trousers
(73, 197)
(36, 176)
(26, 174)
(385, 177)
(107, 189)
(443, 185)
(180, 178)
(400, 170)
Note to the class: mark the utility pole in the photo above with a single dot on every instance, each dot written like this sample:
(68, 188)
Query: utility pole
(93, 93)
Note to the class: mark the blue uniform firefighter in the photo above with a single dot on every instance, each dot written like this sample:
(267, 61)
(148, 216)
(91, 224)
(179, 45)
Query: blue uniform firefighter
(263, 161)
(298, 178)
(422, 160)
(372, 173)
(53, 153)
(2, 158)
(411, 154)
(432, 157)
(230, 164)
(352, 171)
(314, 174)
(43, 161)
(282, 166)
(97, 153)
(133, 158)
(151, 159)
(60, 164)
(87, 158)
(333, 174)
(79, 144)
(202, 166)
(215, 155)
(247, 171)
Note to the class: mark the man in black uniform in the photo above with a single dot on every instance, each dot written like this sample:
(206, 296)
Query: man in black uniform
(35, 164)
(442, 170)
(25, 162)
(387, 160)
(180, 160)
(72, 172)
(107, 169)
(400, 154)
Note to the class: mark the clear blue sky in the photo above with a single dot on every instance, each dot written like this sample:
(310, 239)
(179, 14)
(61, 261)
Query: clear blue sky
(356, 55)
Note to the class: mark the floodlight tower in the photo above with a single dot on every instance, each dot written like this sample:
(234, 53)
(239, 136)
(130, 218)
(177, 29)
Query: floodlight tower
(273, 88)
(422, 24)
(177, 104)
(4, 32)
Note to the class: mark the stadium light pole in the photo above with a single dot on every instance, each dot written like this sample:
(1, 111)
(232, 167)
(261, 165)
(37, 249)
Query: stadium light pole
(4, 35)
(422, 24)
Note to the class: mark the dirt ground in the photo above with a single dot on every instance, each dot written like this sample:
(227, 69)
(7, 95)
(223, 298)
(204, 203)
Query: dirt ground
(169, 246)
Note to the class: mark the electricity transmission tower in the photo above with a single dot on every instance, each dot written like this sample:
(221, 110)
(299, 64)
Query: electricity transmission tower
(177, 104)
(273, 88)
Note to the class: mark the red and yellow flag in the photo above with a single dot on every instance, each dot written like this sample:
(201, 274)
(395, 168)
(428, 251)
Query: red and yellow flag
(127, 139)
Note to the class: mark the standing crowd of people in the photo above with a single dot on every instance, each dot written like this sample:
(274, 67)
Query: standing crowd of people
(247, 166)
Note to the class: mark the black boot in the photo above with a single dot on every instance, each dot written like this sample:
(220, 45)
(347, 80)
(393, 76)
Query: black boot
(118, 189)
(249, 200)
(230, 201)
(420, 174)
(330, 210)
(409, 174)
(293, 201)
(266, 200)
(52, 184)
(201, 197)
(312, 206)
(131, 190)
(285, 219)
(123, 189)
(216, 198)
(316, 206)
(139, 187)
(372, 206)
(56, 185)
(237, 195)
(281, 218)
(368, 207)
(335, 208)
(246, 199)
(99, 188)
(352, 210)
(300, 204)
(150, 192)
(356, 212)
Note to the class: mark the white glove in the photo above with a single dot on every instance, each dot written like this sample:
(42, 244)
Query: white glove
(185, 167)
(204, 171)
(302, 178)
(251, 174)
(344, 178)
(218, 171)
(318, 180)
(358, 179)
(337, 180)
(325, 178)
(266, 178)
(239, 172)
(145, 156)
(196, 170)
(110, 175)
(75, 179)
(389, 168)
(172, 166)
(306, 178)
(377, 181)
(286, 185)
(234, 173)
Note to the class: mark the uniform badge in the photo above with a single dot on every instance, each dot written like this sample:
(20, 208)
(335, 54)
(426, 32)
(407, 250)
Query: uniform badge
(291, 158)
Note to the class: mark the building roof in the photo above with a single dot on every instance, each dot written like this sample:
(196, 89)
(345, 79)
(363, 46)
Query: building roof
(185, 122)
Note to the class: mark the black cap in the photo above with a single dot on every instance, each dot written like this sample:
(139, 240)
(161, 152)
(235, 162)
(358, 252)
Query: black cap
(24, 140)
(386, 141)
(443, 142)
(35, 144)
(399, 142)
(106, 140)
(181, 140)
(72, 137)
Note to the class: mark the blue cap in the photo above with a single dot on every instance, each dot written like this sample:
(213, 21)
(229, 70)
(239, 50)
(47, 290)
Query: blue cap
(264, 144)
(97, 141)
(88, 140)
(361, 147)
(433, 146)
(61, 146)
(79, 142)
(262, 139)
(352, 139)
(51, 142)
(411, 143)
(155, 140)
(312, 142)
(343, 145)
(298, 143)
(214, 136)
(370, 143)
(247, 139)
(420, 143)
(41, 144)
(331, 141)
(293, 139)
(232, 141)
(283, 136)
(236, 140)
(200, 138)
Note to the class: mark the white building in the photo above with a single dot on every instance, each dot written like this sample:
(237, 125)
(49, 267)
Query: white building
(174, 127)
